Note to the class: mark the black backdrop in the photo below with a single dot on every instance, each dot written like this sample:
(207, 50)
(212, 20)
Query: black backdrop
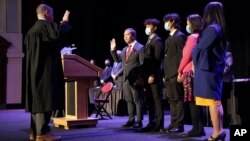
(96, 22)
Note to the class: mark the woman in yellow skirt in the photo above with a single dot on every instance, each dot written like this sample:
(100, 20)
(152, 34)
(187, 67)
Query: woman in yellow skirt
(209, 61)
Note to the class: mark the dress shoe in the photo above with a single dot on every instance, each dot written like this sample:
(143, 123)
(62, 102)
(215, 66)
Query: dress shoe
(48, 137)
(129, 124)
(138, 124)
(194, 134)
(158, 129)
(176, 130)
(148, 127)
(151, 124)
(169, 128)
(221, 137)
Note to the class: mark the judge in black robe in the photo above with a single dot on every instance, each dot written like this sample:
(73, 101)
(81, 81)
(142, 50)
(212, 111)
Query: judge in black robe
(44, 74)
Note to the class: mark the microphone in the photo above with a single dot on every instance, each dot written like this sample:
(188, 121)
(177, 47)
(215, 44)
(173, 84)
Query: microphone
(73, 46)
(68, 49)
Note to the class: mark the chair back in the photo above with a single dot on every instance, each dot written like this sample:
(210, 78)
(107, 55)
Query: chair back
(106, 88)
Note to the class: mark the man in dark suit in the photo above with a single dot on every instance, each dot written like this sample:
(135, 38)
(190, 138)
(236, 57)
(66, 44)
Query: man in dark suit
(106, 72)
(104, 78)
(172, 57)
(152, 76)
(132, 57)
(105, 75)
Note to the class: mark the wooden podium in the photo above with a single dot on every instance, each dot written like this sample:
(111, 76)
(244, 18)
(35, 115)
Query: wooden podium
(79, 76)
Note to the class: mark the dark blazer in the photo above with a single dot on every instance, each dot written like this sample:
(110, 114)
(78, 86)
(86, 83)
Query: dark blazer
(106, 74)
(173, 53)
(131, 67)
(153, 56)
(209, 54)
(209, 62)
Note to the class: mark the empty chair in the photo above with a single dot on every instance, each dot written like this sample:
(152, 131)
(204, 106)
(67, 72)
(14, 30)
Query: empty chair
(102, 98)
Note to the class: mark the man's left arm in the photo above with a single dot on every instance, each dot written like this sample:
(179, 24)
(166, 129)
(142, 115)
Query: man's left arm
(141, 55)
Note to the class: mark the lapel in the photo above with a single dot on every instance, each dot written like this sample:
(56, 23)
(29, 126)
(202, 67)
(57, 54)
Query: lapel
(149, 42)
(167, 43)
(169, 40)
(124, 53)
(132, 52)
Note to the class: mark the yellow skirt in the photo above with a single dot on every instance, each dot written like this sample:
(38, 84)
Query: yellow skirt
(207, 102)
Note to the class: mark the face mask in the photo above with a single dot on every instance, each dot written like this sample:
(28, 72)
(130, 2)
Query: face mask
(148, 31)
(188, 29)
(166, 26)
(107, 65)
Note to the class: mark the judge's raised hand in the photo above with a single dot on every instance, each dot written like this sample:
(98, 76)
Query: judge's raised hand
(112, 44)
(66, 16)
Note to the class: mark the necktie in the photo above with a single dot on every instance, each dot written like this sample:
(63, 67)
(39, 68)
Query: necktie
(147, 44)
(128, 52)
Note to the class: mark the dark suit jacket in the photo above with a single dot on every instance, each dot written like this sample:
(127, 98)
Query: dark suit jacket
(173, 53)
(209, 55)
(131, 67)
(153, 56)
(209, 62)
(106, 74)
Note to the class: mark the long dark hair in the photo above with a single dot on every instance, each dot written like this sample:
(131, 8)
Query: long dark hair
(214, 14)
(196, 22)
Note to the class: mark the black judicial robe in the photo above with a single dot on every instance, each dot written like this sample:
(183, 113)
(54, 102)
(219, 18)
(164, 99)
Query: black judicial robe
(44, 74)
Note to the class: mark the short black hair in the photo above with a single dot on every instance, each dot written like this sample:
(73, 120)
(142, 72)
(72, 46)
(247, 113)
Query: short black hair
(152, 21)
(173, 17)
(132, 31)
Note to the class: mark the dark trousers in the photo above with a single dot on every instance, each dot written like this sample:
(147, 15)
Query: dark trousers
(40, 123)
(154, 102)
(133, 98)
(197, 116)
(175, 92)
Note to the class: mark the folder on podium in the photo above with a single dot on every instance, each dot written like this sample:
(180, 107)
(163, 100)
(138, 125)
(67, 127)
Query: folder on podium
(79, 76)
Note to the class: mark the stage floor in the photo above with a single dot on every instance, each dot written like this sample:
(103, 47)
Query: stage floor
(14, 126)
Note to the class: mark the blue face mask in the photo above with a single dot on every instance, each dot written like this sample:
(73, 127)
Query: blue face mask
(148, 31)
(166, 26)
(188, 29)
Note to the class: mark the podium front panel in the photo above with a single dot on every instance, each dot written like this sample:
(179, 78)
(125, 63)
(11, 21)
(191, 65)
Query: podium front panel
(70, 96)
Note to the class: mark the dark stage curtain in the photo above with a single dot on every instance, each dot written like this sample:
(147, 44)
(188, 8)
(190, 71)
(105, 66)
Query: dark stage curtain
(96, 22)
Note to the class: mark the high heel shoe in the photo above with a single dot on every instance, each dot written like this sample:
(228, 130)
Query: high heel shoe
(221, 137)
